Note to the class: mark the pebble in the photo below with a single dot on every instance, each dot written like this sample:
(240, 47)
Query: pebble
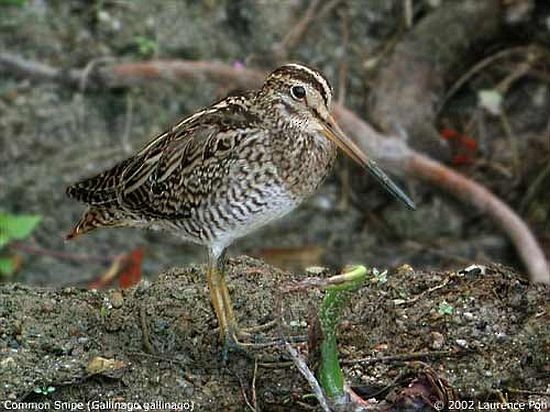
(469, 316)
(463, 343)
(116, 299)
(316, 270)
(405, 269)
(501, 336)
(437, 340)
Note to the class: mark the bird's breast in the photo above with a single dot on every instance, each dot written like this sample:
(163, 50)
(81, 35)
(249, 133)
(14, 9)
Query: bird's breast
(305, 164)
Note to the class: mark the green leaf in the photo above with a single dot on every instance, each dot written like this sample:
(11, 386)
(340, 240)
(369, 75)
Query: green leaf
(16, 227)
(445, 309)
(3, 238)
(19, 3)
(146, 47)
(6, 266)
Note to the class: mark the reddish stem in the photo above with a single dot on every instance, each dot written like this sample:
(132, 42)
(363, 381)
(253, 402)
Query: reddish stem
(471, 192)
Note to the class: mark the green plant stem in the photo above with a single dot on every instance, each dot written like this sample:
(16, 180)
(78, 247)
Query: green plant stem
(330, 374)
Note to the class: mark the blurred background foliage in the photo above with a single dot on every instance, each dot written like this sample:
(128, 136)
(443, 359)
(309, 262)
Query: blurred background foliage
(51, 135)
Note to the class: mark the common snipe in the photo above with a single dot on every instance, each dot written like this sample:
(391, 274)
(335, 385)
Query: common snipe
(226, 170)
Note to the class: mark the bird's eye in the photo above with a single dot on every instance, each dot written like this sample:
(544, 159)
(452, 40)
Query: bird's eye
(298, 92)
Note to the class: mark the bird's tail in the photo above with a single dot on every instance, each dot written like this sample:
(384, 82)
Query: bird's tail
(94, 217)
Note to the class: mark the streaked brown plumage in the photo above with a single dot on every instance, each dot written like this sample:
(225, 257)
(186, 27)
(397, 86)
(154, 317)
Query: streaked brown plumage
(226, 170)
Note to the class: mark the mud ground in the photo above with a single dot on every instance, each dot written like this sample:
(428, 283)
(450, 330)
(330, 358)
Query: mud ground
(493, 341)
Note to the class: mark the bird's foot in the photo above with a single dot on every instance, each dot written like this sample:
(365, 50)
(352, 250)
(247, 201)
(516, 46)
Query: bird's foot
(248, 341)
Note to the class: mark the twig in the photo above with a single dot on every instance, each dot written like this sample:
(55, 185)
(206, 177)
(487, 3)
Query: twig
(297, 33)
(527, 392)
(294, 36)
(343, 66)
(245, 396)
(253, 406)
(84, 75)
(297, 359)
(308, 374)
(276, 365)
(421, 295)
(480, 66)
(146, 336)
(129, 74)
(512, 139)
(408, 13)
(126, 146)
(371, 360)
(36, 71)
(534, 187)
(254, 398)
(327, 8)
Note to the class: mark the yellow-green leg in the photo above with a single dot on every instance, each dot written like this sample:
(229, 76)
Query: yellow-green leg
(230, 333)
(219, 296)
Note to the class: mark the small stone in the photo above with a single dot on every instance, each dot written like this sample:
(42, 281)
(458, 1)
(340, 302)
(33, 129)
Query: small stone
(116, 299)
(405, 269)
(437, 340)
(469, 316)
(463, 343)
(100, 365)
(269, 397)
(316, 270)
(47, 307)
(501, 337)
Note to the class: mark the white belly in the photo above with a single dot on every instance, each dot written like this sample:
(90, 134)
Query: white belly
(279, 204)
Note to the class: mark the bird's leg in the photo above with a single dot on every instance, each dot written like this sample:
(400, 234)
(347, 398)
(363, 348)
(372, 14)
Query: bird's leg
(233, 326)
(221, 300)
(214, 279)
(235, 331)
(231, 334)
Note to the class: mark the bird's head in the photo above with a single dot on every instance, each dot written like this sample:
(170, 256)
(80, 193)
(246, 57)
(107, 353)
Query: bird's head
(305, 96)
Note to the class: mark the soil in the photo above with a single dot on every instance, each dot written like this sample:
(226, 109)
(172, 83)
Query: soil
(494, 338)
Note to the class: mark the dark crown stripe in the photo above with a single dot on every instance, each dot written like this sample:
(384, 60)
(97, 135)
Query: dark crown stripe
(306, 75)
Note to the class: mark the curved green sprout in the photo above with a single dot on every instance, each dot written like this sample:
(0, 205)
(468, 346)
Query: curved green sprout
(330, 374)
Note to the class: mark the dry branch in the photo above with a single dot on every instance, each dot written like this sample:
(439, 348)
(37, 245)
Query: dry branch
(392, 152)
(131, 74)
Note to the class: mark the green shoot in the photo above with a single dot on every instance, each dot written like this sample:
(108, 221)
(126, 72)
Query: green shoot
(329, 373)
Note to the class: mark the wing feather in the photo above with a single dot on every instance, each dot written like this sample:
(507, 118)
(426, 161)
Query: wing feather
(172, 173)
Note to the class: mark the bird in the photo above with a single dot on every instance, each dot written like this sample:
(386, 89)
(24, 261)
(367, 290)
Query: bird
(226, 170)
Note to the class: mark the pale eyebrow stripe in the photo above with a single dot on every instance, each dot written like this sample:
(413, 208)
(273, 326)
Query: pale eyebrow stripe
(316, 75)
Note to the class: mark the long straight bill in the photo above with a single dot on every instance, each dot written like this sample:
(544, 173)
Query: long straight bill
(334, 133)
